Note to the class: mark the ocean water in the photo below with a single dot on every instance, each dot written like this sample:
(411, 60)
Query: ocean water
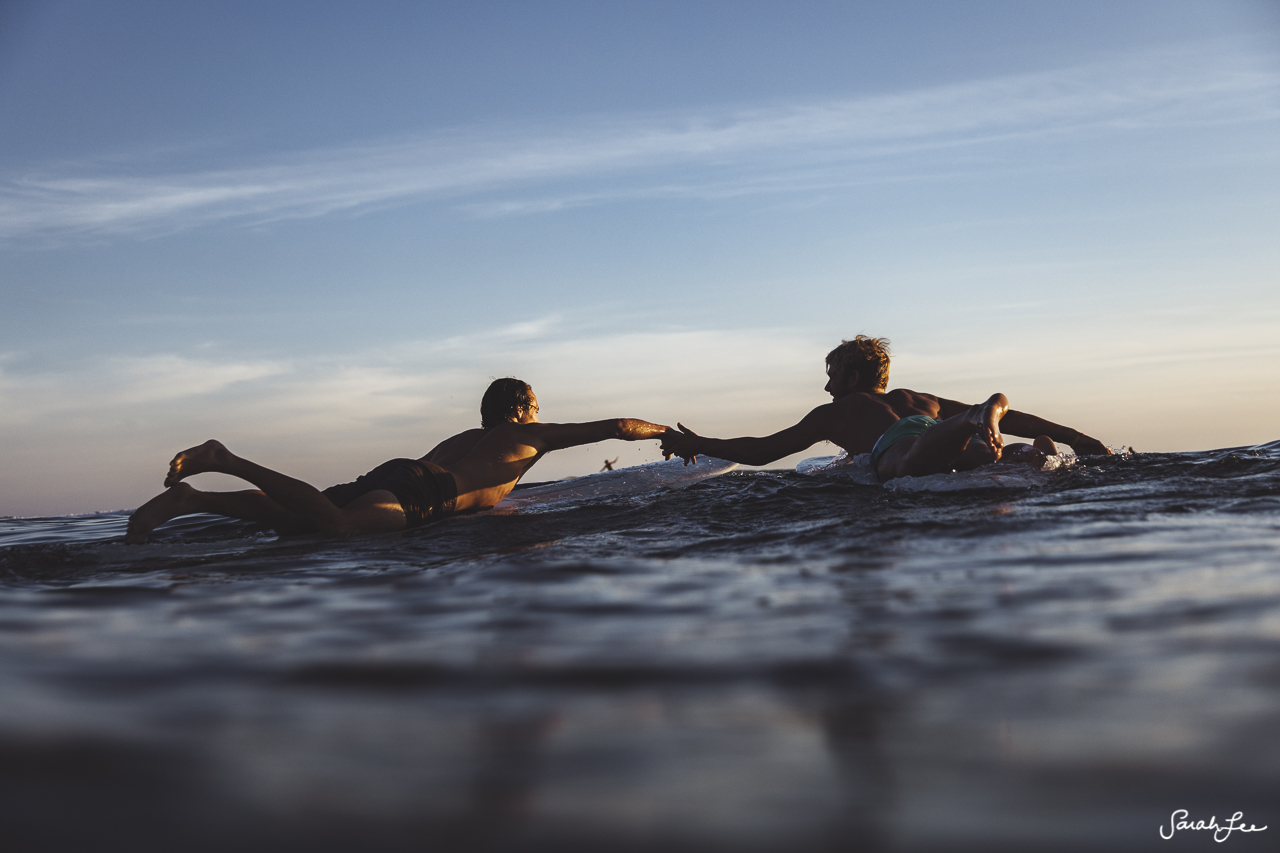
(765, 660)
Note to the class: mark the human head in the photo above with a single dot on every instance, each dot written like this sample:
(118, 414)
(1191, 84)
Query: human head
(503, 400)
(867, 357)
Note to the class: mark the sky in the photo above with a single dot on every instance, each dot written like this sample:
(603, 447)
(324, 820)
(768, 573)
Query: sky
(315, 231)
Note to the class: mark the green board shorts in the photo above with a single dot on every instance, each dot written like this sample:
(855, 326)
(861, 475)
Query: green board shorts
(903, 428)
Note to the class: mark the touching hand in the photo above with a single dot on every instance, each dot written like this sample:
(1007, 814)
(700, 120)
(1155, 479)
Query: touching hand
(680, 444)
(1086, 446)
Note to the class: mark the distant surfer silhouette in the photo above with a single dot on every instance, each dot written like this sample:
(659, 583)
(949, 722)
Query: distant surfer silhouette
(906, 432)
(608, 466)
(471, 471)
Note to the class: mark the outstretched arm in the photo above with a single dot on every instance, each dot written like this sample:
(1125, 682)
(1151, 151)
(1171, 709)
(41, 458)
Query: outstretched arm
(547, 437)
(750, 450)
(1030, 426)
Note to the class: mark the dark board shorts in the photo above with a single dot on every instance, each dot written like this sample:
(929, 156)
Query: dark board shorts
(426, 491)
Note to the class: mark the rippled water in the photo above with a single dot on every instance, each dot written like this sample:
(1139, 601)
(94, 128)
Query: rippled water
(765, 660)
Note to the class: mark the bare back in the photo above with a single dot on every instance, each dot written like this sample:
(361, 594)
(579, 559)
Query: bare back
(451, 451)
(857, 420)
(853, 421)
(487, 464)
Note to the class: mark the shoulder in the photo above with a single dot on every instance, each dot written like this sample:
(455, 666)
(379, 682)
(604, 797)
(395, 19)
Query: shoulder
(859, 402)
(821, 421)
(514, 431)
(906, 395)
(823, 413)
(905, 402)
(466, 438)
(507, 436)
(455, 447)
(907, 392)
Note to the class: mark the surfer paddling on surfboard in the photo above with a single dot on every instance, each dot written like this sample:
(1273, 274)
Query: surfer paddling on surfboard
(471, 471)
(908, 433)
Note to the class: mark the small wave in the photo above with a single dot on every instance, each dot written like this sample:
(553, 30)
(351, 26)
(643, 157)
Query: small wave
(776, 647)
(969, 481)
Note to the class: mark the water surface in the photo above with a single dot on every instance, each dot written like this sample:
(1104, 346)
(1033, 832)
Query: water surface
(762, 661)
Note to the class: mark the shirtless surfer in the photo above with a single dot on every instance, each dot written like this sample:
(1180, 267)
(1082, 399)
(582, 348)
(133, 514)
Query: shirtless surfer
(471, 471)
(908, 433)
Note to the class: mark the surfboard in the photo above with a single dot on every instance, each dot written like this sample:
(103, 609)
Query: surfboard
(857, 468)
(638, 479)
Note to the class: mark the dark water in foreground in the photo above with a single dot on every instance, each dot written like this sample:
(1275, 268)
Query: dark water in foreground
(763, 661)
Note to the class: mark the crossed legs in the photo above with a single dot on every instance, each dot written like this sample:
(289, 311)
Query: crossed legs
(286, 504)
(182, 499)
(945, 445)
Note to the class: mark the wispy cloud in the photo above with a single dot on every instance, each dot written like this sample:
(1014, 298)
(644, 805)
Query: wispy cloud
(33, 397)
(714, 153)
(166, 377)
(581, 367)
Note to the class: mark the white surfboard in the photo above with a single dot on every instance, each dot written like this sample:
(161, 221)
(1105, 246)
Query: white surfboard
(672, 474)
(858, 469)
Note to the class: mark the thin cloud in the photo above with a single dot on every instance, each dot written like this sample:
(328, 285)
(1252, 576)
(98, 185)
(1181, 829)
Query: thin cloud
(114, 383)
(172, 377)
(720, 153)
(410, 377)
(520, 333)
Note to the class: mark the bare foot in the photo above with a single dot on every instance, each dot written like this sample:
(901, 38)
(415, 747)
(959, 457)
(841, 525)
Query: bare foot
(209, 456)
(975, 454)
(986, 420)
(178, 500)
(1045, 445)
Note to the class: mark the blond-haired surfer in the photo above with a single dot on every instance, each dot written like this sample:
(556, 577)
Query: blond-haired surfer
(862, 412)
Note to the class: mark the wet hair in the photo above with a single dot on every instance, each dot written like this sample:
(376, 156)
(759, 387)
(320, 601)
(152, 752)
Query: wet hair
(502, 399)
(868, 356)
